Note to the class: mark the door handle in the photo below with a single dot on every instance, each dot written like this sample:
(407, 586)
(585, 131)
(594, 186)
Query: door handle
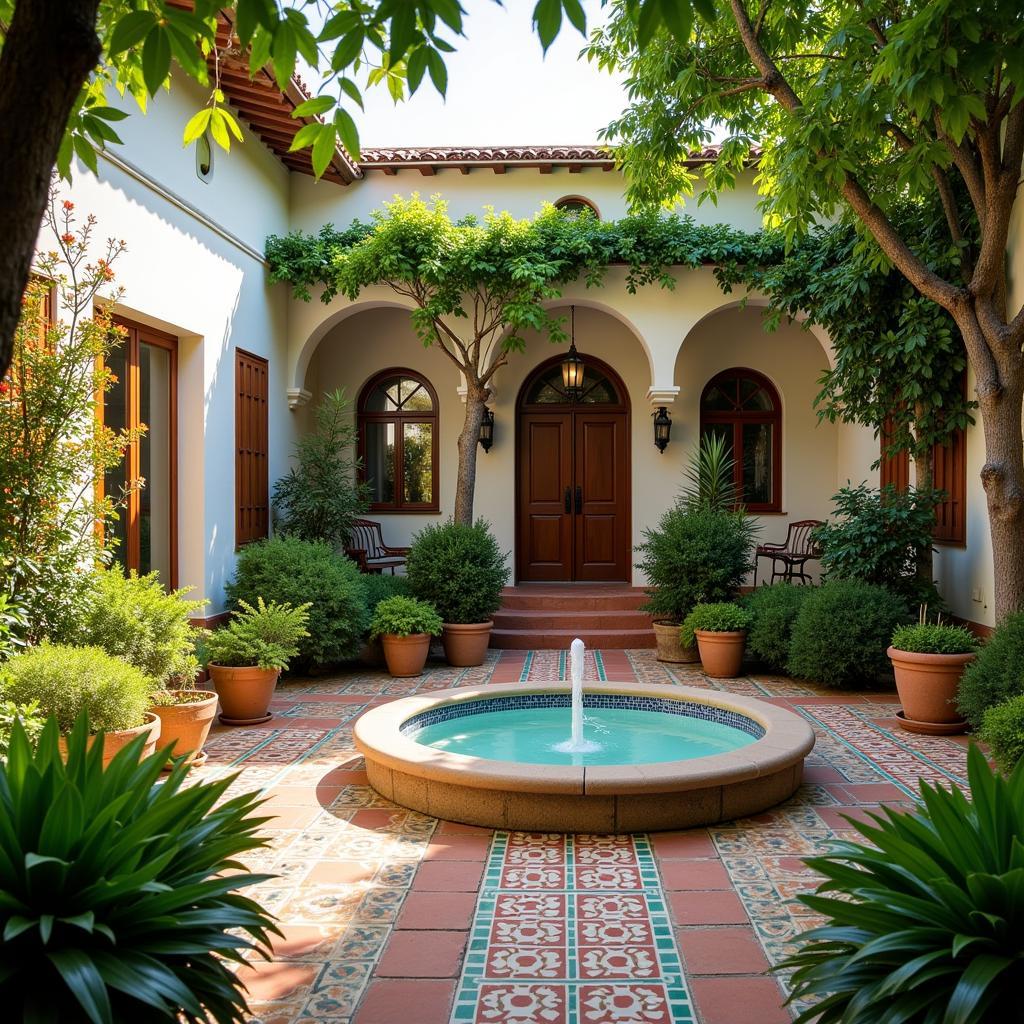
(579, 500)
(568, 499)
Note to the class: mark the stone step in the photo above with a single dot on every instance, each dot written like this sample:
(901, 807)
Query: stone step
(559, 639)
(558, 597)
(584, 619)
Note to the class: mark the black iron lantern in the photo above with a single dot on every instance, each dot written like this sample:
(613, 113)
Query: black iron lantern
(487, 430)
(572, 364)
(662, 428)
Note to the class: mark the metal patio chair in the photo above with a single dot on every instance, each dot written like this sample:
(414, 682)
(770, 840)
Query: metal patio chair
(367, 549)
(792, 554)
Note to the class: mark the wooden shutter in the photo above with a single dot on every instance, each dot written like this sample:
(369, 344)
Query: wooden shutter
(950, 462)
(894, 469)
(252, 483)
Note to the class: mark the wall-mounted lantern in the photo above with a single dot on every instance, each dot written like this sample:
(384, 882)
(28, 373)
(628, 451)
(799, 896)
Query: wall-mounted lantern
(487, 430)
(572, 364)
(662, 428)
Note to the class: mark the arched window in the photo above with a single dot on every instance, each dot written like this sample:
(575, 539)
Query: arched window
(398, 442)
(577, 205)
(743, 408)
(547, 388)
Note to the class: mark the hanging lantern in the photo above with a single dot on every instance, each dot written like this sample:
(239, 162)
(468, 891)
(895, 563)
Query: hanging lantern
(572, 364)
(662, 428)
(487, 430)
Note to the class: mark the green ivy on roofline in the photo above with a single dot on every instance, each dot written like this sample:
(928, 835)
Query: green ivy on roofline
(898, 356)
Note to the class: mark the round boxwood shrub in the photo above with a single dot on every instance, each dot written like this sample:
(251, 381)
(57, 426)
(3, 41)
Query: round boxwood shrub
(775, 609)
(842, 632)
(287, 570)
(1002, 728)
(996, 674)
(459, 569)
(65, 681)
(380, 587)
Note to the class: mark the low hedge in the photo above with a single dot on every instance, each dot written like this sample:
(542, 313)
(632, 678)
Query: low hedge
(996, 674)
(775, 610)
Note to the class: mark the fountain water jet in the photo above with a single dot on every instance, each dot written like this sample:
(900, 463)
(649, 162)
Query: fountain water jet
(577, 744)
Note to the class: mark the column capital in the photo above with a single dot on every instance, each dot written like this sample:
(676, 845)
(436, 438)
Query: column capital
(662, 395)
(297, 397)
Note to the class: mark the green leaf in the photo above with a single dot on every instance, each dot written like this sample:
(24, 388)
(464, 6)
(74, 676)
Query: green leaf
(417, 67)
(129, 31)
(352, 91)
(283, 52)
(316, 105)
(81, 976)
(438, 71)
(305, 136)
(156, 59)
(197, 125)
(323, 148)
(347, 132)
(576, 15)
(547, 19)
(678, 17)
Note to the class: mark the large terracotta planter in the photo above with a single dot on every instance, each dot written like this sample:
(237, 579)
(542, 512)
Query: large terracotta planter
(406, 655)
(245, 692)
(119, 738)
(185, 726)
(721, 654)
(927, 685)
(466, 643)
(670, 647)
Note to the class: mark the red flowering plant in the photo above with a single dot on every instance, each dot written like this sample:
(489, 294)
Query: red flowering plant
(54, 446)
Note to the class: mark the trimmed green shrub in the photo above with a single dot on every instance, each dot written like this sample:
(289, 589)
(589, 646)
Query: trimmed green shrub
(459, 569)
(134, 618)
(775, 610)
(934, 638)
(404, 616)
(925, 921)
(122, 892)
(696, 554)
(721, 617)
(265, 636)
(286, 570)
(380, 586)
(1002, 728)
(67, 681)
(842, 632)
(996, 674)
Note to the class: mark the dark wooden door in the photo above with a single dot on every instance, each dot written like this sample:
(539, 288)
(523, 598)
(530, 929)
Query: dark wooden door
(573, 496)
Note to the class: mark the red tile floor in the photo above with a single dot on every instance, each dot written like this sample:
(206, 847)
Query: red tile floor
(388, 918)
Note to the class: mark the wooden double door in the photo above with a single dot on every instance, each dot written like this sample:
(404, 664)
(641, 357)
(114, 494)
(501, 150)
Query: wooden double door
(573, 495)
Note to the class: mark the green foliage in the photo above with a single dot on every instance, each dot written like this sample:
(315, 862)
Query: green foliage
(379, 586)
(842, 632)
(925, 921)
(996, 674)
(934, 638)
(132, 617)
(458, 569)
(708, 480)
(320, 496)
(775, 610)
(28, 715)
(719, 617)
(878, 536)
(292, 571)
(67, 681)
(1002, 728)
(404, 616)
(693, 556)
(266, 636)
(123, 891)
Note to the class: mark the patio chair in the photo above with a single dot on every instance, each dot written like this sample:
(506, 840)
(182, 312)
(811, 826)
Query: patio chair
(367, 549)
(792, 554)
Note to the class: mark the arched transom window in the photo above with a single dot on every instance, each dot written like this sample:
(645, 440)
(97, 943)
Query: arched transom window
(742, 407)
(398, 442)
(548, 388)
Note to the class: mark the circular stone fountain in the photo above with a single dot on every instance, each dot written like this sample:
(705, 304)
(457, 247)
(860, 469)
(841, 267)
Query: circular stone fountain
(653, 757)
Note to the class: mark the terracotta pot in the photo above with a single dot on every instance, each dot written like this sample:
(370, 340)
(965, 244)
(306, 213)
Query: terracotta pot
(670, 647)
(184, 727)
(466, 643)
(245, 692)
(927, 685)
(113, 741)
(721, 654)
(406, 655)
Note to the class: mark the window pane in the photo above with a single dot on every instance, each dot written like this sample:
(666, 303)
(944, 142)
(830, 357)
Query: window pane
(415, 397)
(384, 397)
(600, 392)
(155, 461)
(115, 416)
(757, 463)
(417, 463)
(720, 398)
(753, 396)
(380, 461)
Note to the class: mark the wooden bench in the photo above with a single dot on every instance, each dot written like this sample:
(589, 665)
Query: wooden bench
(792, 554)
(367, 549)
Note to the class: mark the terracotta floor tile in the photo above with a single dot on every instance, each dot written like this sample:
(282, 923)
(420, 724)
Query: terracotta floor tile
(726, 950)
(835, 817)
(422, 954)
(301, 796)
(694, 874)
(406, 1002)
(277, 978)
(819, 775)
(344, 777)
(375, 819)
(716, 907)
(739, 1001)
(425, 910)
(449, 876)
(340, 872)
(457, 828)
(304, 942)
(873, 792)
(458, 847)
(292, 817)
(683, 845)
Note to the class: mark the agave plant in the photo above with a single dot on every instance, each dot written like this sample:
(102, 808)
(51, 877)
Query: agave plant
(119, 894)
(708, 479)
(927, 923)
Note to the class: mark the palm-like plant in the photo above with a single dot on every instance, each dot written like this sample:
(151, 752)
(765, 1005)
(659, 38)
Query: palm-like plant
(927, 922)
(709, 477)
(118, 894)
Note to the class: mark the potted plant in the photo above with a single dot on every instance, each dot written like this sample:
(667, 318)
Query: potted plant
(928, 659)
(246, 657)
(66, 682)
(405, 626)
(720, 630)
(186, 715)
(460, 570)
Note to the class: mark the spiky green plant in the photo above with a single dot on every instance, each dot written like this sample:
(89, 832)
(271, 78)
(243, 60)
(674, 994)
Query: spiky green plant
(119, 895)
(927, 922)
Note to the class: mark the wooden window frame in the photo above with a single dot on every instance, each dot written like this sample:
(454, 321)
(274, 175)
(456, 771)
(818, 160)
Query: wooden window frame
(737, 419)
(567, 201)
(399, 418)
(242, 535)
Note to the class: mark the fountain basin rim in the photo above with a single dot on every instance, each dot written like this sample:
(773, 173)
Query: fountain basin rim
(786, 741)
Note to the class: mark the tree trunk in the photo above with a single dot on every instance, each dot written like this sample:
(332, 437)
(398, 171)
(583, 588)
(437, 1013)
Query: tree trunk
(48, 54)
(476, 400)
